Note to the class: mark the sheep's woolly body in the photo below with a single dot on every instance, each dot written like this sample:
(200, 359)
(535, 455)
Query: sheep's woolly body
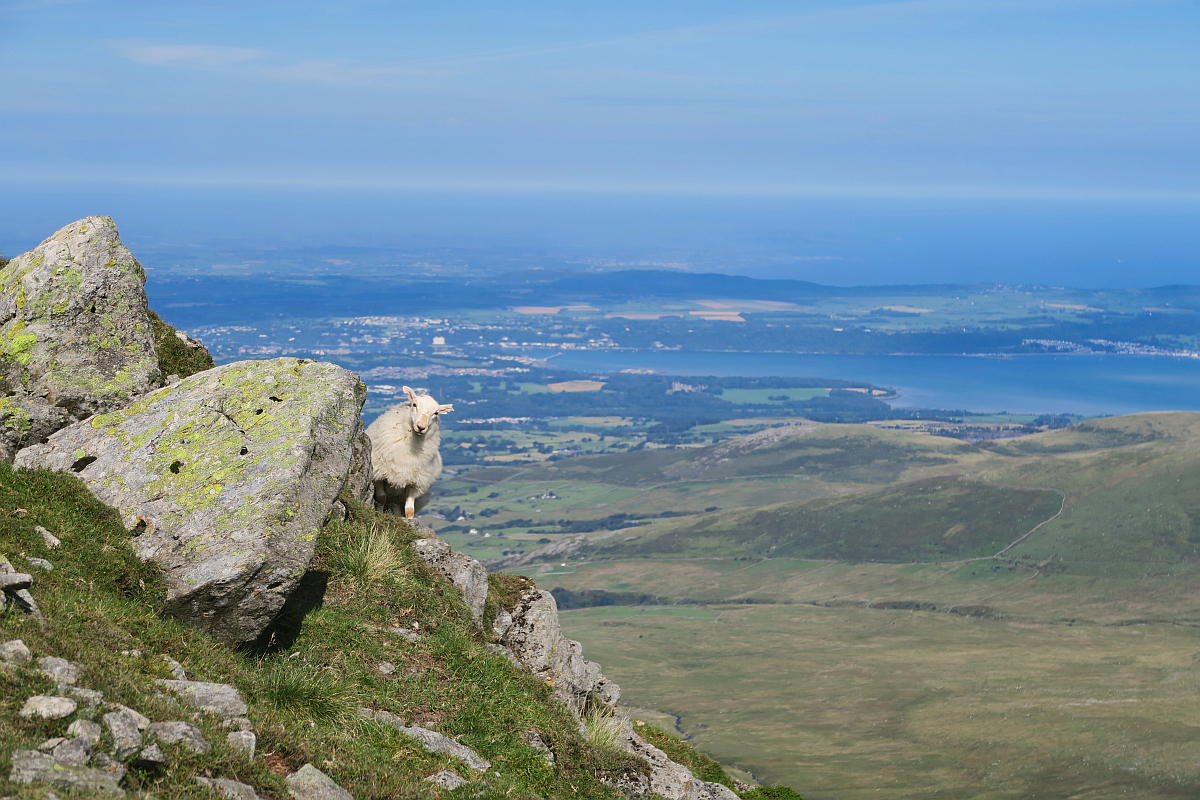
(405, 464)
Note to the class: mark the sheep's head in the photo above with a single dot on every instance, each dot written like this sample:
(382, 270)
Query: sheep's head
(423, 410)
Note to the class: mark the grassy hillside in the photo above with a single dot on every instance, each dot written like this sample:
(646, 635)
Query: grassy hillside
(915, 650)
(306, 684)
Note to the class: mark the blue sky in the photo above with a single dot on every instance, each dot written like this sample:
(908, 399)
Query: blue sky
(1066, 102)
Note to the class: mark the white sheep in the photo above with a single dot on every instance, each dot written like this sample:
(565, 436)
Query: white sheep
(404, 453)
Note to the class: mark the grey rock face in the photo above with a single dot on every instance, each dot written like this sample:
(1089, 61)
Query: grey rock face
(243, 742)
(667, 778)
(447, 779)
(706, 790)
(463, 571)
(536, 638)
(138, 718)
(431, 740)
(75, 337)
(230, 790)
(48, 707)
(123, 730)
(40, 563)
(30, 766)
(309, 783)
(212, 698)
(59, 670)
(15, 652)
(225, 479)
(181, 733)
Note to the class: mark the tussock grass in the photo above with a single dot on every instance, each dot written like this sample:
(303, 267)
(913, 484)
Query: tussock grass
(369, 557)
(314, 695)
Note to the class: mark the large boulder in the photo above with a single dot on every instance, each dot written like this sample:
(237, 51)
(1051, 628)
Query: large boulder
(226, 479)
(75, 333)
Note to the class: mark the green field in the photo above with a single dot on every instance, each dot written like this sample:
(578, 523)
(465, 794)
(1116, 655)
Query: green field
(893, 614)
(852, 703)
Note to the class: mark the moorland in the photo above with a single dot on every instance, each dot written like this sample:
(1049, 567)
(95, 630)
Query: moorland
(853, 610)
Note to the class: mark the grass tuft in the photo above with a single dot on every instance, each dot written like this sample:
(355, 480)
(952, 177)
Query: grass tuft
(603, 728)
(311, 694)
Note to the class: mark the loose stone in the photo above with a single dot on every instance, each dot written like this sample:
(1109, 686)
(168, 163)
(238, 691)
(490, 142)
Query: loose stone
(447, 779)
(15, 652)
(243, 742)
(123, 729)
(48, 707)
(49, 538)
(183, 733)
(309, 783)
(230, 790)
(59, 670)
(212, 698)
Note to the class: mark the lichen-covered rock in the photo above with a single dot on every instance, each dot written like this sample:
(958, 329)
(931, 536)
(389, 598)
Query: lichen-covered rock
(225, 478)
(75, 335)
(122, 728)
(463, 571)
(30, 766)
(536, 637)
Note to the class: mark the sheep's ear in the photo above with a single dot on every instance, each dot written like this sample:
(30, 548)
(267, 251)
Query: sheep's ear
(445, 407)
(411, 394)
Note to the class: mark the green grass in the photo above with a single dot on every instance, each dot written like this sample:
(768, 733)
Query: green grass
(175, 357)
(304, 691)
(854, 703)
(937, 519)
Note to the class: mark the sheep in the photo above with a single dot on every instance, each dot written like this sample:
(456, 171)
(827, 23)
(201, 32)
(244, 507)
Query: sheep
(404, 453)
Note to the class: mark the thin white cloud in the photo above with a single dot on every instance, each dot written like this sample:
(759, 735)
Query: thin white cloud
(336, 72)
(208, 55)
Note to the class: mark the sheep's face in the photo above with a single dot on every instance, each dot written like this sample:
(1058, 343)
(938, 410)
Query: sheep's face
(423, 410)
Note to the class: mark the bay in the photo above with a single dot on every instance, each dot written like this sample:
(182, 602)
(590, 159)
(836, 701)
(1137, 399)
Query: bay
(1090, 385)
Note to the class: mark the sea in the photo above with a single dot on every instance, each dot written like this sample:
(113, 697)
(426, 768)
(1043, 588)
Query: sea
(1089, 385)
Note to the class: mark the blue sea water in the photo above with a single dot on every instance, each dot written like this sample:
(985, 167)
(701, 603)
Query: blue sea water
(1059, 384)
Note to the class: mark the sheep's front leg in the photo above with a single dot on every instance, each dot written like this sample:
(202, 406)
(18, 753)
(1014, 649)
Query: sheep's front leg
(410, 505)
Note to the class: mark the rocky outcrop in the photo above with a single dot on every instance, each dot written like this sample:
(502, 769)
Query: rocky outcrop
(535, 636)
(463, 571)
(667, 778)
(225, 479)
(75, 335)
